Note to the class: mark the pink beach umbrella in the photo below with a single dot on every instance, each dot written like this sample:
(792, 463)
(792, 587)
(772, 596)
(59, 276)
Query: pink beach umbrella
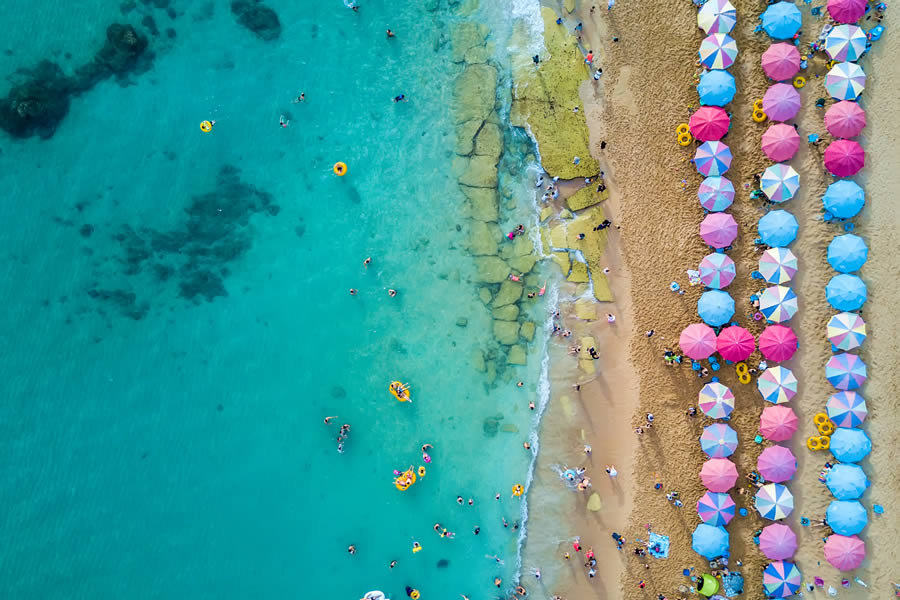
(845, 553)
(777, 541)
(778, 423)
(718, 229)
(698, 341)
(718, 474)
(844, 158)
(781, 61)
(778, 464)
(846, 11)
(781, 102)
(709, 123)
(780, 142)
(845, 119)
(717, 270)
(735, 343)
(778, 343)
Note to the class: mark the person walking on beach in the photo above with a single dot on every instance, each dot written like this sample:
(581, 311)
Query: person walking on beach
(589, 58)
(611, 470)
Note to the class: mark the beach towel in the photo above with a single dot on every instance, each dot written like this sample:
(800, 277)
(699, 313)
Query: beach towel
(659, 545)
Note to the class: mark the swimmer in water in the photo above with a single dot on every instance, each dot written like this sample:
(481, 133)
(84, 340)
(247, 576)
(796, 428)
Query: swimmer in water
(368, 261)
(328, 419)
(299, 98)
(283, 122)
(437, 527)
(531, 405)
(471, 502)
(393, 564)
(353, 291)
(520, 383)
(390, 33)
(497, 581)
(459, 500)
(542, 290)
(392, 292)
(351, 549)
(400, 98)
(497, 497)
(416, 547)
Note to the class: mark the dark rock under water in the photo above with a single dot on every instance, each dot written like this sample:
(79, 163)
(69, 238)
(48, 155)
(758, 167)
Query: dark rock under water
(258, 18)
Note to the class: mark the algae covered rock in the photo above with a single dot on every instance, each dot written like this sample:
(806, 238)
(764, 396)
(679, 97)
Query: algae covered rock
(562, 259)
(491, 269)
(517, 355)
(478, 361)
(570, 6)
(585, 197)
(479, 54)
(585, 310)
(483, 205)
(489, 141)
(475, 93)
(523, 264)
(479, 171)
(546, 213)
(483, 238)
(579, 273)
(510, 292)
(466, 36)
(527, 330)
(258, 18)
(510, 312)
(485, 295)
(506, 332)
(594, 503)
(465, 136)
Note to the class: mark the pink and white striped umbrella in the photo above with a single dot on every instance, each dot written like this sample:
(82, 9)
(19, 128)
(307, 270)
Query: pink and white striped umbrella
(717, 270)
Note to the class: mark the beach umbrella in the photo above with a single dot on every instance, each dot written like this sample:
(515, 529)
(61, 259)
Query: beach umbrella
(778, 464)
(716, 88)
(718, 51)
(777, 384)
(709, 541)
(846, 331)
(716, 194)
(717, 16)
(845, 553)
(781, 102)
(844, 199)
(778, 228)
(847, 253)
(844, 158)
(844, 42)
(845, 119)
(846, 481)
(781, 579)
(715, 307)
(846, 292)
(781, 61)
(846, 517)
(718, 440)
(780, 142)
(712, 158)
(778, 303)
(716, 400)
(777, 541)
(778, 423)
(779, 182)
(735, 343)
(847, 409)
(781, 20)
(774, 501)
(718, 229)
(778, 265)
(709, 123)
(717, 270)
(850, 445)
(845, 371)
(777, 343)
(718, 474)
(715, 508)
(846, 11)
(845, 81)
(697, 341)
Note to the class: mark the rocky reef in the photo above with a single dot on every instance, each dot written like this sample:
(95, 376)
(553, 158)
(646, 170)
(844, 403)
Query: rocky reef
(258, 18)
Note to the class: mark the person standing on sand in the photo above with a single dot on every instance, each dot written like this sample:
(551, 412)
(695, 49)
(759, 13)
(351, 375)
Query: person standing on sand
(611, 470)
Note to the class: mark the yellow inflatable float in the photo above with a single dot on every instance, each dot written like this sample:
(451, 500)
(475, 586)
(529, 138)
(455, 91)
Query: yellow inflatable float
(758, 115)
(400, 391)
(757, 104)
(518, 490)
(405, 480)
(685, 139)
(799, 81)
(206, 126)
(813, 443)
(824, 442)
(340, 169)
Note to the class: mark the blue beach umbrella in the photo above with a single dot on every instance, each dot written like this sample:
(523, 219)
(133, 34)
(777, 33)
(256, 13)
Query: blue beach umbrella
(847, 253)
(846, 517)
(709, 541)
(718, 440)
(781, 20)
(845, 371)
(844, 199)
(716, 88)
(778, 228)
(846, 481)
(715, 307)
(846, 292)
(850, 445)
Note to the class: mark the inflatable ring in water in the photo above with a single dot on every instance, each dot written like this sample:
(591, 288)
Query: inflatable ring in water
(826, 429)
(799, 81)
(820, 419)
(400, 392)
(683, 128)
(405, 480)
(758, 115)
(744, 378)
(741, 368)
(206, 126)
(685, 139)
(414, 595)
(824, 442)
(340, 169)
(518, 490)
(757, 104)
(421, 471)
(813, 443)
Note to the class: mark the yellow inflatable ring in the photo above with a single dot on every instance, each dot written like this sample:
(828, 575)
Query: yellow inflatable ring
(758, 115)
(340, 169)
(401, 481)
(819, 419)
(826, 429)
(206, 126)
(799, 81)
(414, 595)
(824, 442)
(518, 490)
(757, 104)
(741, 368)
(421, 471)
(399, 392)
(683, 128)
(744, 378)
(813, 443)
(684, 139)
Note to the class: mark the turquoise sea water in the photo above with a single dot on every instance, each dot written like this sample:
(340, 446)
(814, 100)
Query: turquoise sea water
(178, 321)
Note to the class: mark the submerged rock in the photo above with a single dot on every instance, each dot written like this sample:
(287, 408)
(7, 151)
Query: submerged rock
(466, 36)
(491, 269)
(527, 330)
(38, 105)
(119, 55)
(491, 427)
(510, 292)
(579, 273)
(478, 361)
(483, 238)
(517, 355)
(465, 136)
(483, 205)
(510, 312)
(594, 503)
(585, 310)
(506, 332)
(485, 295)
(479, 171)
(475, 93)
(258, 18)
(489, 141)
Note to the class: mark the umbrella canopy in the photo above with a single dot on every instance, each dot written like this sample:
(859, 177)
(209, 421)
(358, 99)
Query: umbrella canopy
(718, 440)
(844, 42)
(847, 253)
(846, 517)
(850, 445)
(778, 464)
(716, 400)
(845, 119)
(718, 474)
(845, 371)
(779, 182)
(780, 142)
(846, 481)
(846, 292)
(718, 50)
(781, 20)
(778, 423)
(846, 11)
(846, 331)
(716, 88)
(844, 199)
(844, 158)
(717, 16)
(777, 541)
(781, 61)
(778, 265)
(709, 123)
(709, 541)
(778, 343)
(718, 229)
(712, 158)
(735, 343)
(778, 303)
(774, 501)
(847, 409)
(845, 553)
(845, 81)
(777, 384)
(781, 579)
(698, 341)
(715, 307)
(717, 270)
(778, 228)
(716, 194)
(715, 508)
(781, 102)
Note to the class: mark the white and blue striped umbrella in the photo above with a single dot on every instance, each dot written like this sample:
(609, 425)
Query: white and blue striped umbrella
(779, 182)
(718, 440)
(718, 51)
(845, 42)
(774, 501)
(845, 81)
(778, 303)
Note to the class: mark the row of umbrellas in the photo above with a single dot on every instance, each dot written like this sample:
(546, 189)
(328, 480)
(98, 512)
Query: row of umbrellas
(782, 578)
